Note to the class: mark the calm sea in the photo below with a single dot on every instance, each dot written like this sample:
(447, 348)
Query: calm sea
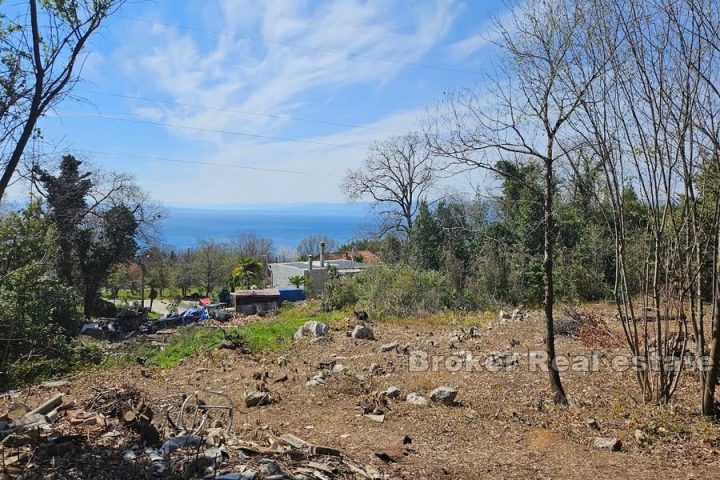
(285, 225)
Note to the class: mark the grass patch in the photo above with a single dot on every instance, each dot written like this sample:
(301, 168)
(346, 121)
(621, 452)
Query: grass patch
(276, 333)
(270, 334)
(186, 343)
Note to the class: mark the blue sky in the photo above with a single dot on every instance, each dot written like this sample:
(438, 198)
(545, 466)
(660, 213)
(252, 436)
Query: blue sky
(295, 90)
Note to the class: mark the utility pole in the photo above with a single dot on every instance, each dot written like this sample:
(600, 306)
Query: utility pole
(142, 280)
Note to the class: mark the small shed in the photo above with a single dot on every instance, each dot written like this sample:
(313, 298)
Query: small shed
(249, 302)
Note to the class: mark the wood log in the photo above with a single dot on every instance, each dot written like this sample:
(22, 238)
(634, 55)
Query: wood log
(129, 416)
(50, 405)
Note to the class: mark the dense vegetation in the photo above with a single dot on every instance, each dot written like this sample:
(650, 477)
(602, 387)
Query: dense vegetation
(55, 255)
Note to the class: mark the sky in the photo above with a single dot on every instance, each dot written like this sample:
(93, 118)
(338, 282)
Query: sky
(220, 102)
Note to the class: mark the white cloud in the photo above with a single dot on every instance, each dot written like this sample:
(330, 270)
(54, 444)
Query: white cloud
(487, 33)
(302, 51)
(308, 53)
(324, 165)
(470, 45)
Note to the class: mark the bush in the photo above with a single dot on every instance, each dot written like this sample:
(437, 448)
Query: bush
(402, 291)
(340, 292)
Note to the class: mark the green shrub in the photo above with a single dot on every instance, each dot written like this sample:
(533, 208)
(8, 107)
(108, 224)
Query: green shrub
(340, 292)
(402, 291)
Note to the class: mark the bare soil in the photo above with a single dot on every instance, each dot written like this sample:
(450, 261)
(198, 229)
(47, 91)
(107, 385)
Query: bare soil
(503, 425)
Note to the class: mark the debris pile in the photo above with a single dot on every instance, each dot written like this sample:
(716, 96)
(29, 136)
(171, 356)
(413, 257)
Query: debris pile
(516, 316)
(117, 433)
(596, 334)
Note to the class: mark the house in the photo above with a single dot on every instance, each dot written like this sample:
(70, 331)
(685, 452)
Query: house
(249, 302)
(365, 256)
(315, 272)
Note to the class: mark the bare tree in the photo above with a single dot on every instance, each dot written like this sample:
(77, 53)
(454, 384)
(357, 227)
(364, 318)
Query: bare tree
(251, 245)
(397, 175)
(651, 121)
(541, 84)
(311, 245)
(701, 35)
(212, 266)
(40, 65)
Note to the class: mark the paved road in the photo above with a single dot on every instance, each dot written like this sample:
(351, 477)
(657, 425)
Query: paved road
(161, 306)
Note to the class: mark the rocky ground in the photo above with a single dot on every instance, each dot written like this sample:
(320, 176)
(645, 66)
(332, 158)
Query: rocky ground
(359, 396)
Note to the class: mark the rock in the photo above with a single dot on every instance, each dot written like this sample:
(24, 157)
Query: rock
(327, 364)
(255, 399)
(362, 332)
(281, 378)
(375, 369)
(392, 393)
(282, 361)
(416, 399)
(504, 317)
(179, 442)
(517, 315)
(231, 476)
(318, 379)
(294, 441)
(389, 346)
(592, 423)
(54, 384)
(246, 475)
(444, 395)
(228, 345)
(640, 436)
(612, 444)
(502, 360)
(474, 332)
(311, 329)
(205, 461)
(268, 467)
(376, 418)
(339, 368)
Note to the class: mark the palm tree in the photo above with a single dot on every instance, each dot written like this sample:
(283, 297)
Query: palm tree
(297, 281)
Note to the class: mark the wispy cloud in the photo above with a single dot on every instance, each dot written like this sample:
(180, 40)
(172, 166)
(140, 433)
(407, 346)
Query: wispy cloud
(485, 35)
(321, 167)
(472, 44)
(267, 61)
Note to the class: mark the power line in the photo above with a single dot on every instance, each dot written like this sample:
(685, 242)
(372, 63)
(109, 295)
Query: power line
(199, 129)
(241, 112)
(211, 164)
(304, 47)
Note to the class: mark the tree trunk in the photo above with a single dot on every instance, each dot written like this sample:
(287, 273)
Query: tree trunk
(708, 404)
(559, 393)
(35, 106)
(89, 302)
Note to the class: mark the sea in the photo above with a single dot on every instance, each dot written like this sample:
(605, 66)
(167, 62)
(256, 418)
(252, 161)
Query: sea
(182, 228)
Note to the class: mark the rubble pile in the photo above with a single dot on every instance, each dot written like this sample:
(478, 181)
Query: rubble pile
(118, 433)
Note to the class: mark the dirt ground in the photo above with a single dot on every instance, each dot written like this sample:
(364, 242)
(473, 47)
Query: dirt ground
(503, 425)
